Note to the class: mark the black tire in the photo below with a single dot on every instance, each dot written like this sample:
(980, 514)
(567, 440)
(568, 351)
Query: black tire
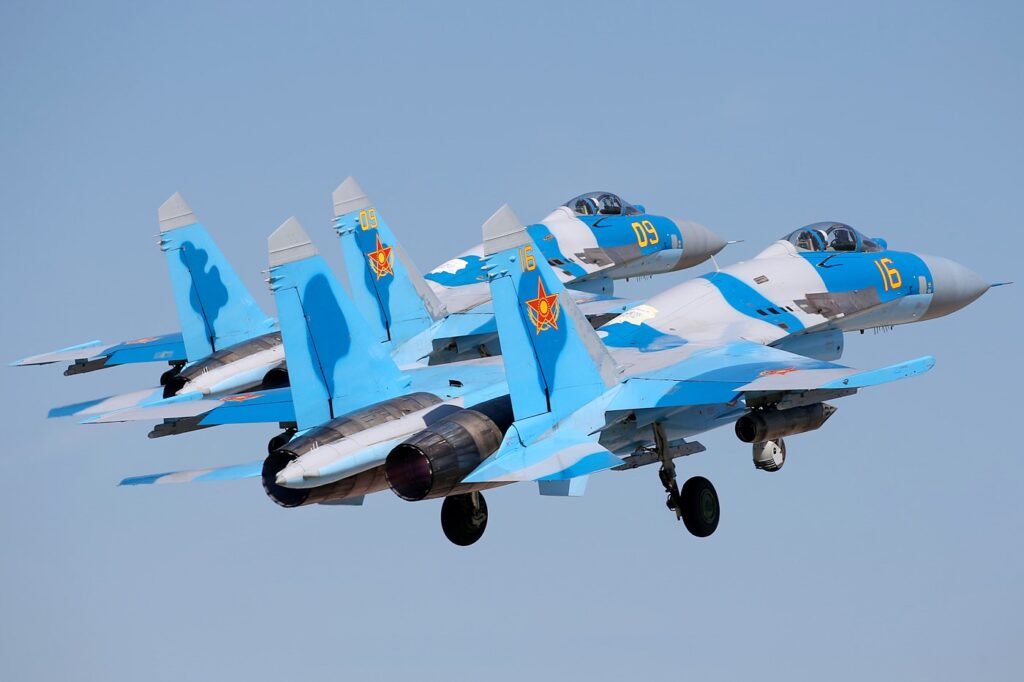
(700, 506)
(170, 374)
(279, 441)
(462, 524)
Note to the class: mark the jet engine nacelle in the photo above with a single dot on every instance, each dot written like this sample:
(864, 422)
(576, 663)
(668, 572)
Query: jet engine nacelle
(769, 424)
(433, 462)
(332, 432)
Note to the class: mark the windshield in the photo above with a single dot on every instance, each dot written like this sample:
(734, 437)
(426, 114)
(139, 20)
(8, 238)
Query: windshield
(601, 203)
(830, 236)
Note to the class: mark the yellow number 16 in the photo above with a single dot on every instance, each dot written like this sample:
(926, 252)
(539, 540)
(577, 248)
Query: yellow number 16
(527, 261)
(890, 275)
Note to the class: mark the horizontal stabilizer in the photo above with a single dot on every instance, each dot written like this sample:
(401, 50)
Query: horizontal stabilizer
(227, 473)
(82, 351)
(564, 455)
(157, 411)
(257, 407)
(162, 348)
(109, 404)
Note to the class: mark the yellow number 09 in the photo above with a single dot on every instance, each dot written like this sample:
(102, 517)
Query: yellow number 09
(527, 261)
(368, 219)
(891, 278)
(645, 233)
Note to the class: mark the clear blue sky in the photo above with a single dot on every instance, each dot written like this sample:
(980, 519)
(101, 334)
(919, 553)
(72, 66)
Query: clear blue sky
(889, 547)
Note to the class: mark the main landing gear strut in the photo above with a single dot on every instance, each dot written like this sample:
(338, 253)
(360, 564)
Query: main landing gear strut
(697, 503)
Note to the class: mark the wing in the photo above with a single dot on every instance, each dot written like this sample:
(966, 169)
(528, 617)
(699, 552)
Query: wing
(232, 472)
(227, 473)
(112, 403)
(257, 407)
(723, 375)
(94, 355)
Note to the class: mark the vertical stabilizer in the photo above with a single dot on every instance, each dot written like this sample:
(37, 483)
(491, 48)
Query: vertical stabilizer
(387, 287)
(554, 360)
(214, 307)
(333, 358)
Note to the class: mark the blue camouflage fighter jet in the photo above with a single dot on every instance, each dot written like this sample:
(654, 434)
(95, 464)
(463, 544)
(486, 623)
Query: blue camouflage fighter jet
(750, 345)
(228, 345)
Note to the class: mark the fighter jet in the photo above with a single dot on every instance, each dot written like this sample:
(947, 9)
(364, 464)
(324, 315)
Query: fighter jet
(400, 307)
(228, 343)
(349, 401)
(749, 345)
(605, 242)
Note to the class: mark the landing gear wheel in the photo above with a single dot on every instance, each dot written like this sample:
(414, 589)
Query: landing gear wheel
(174, 371)
(280, 440)
(699, 506)
(464, 518)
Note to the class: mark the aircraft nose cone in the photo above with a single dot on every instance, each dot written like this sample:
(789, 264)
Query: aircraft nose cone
(954, 286)
(699, 243)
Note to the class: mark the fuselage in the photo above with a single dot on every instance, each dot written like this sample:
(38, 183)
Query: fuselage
(783, 292)
(798, 300)
(583, 249)
(587, 252)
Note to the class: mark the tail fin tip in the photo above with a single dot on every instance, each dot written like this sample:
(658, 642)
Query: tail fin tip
(175, 213)
(289, 243)
(348, 197)
(503, 230)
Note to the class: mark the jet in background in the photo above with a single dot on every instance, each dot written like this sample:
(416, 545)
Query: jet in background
(394, 297)
(349, 401)
(229, 343)
(604, 245)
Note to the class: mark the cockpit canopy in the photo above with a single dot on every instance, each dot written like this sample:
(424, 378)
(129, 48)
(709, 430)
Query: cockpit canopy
(829, 236)
(601, 203)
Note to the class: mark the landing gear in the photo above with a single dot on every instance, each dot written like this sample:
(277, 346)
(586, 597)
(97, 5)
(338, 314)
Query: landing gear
(174, 371)
(700, 508)
(280, 440)
(697, 503)
(464, 518)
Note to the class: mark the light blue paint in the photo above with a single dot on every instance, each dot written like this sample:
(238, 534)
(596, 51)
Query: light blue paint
(747, 300)
(332, 354)
(215, 308)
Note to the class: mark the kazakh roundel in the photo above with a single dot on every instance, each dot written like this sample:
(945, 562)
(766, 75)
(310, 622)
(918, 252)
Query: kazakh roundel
(544, 309)
(382, 261)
